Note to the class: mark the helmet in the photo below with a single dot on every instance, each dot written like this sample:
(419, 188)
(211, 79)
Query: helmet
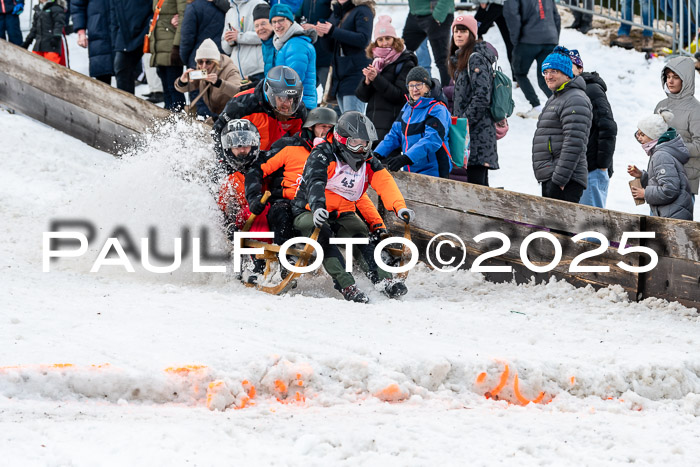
(240, 133)
(353, 137)
(283, 82)
(322, 115)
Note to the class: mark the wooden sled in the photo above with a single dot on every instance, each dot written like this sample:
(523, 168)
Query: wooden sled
(271, 257)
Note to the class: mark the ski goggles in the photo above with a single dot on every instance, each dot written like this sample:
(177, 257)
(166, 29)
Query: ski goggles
(353, 144)
(238, 139)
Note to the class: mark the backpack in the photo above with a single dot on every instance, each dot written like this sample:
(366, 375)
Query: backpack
(502, 104)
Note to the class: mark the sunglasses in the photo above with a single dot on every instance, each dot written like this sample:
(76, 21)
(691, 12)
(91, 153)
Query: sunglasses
(205, 62)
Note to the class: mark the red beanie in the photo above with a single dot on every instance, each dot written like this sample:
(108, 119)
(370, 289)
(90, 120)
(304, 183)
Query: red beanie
(468, 21)
(383, 28)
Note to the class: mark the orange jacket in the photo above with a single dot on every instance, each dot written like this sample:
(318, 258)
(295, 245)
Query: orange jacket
(320, 167)
(232, 202)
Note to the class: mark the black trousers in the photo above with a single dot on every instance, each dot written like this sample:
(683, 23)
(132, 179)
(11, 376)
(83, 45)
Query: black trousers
(415, 31)
(572, 191)
(523, 56)
(127, 66)
(485, 17)
(478, 175)
(281, 220)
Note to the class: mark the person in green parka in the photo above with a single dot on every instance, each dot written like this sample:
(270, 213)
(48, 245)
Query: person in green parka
(165, 49)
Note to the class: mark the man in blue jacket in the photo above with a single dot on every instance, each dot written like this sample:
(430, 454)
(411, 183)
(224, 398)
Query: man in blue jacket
(9, 20)
(421, 130)
(129, 22)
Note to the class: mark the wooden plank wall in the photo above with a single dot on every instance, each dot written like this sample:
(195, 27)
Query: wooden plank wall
(107, 118)
(467, 210)
(91, 111)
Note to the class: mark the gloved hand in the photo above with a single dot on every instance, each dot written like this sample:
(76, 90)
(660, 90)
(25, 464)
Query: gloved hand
(25, 45)
(175, 59)
(406, 215)
(219, 125)
(378, 235)
(256, 206)
(18, 9)
(395, 163)
(320, 217)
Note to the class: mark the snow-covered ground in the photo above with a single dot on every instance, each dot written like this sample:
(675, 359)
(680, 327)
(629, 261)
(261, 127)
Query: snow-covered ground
(114, 368)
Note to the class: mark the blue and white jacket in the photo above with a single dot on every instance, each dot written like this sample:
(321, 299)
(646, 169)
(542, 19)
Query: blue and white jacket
(421, 132)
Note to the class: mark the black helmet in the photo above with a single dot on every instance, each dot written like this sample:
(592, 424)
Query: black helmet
(240, 133)
(322, 115)
(353, 137)
(283, 82)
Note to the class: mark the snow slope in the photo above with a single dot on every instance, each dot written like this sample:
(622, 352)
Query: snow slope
(113, 368)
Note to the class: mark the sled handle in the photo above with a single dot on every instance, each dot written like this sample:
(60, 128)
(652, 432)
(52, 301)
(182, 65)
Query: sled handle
(249, 221)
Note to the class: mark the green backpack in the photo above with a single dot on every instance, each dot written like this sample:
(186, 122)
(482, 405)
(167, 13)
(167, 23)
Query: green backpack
(502, 104)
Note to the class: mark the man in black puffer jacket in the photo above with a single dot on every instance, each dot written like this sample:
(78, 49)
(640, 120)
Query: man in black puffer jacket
(601, 141)
(561, 139)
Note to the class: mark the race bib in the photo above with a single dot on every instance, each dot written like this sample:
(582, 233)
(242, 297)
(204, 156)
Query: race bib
(348, 183)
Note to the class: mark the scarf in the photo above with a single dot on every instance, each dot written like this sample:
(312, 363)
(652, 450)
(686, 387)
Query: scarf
(293, 30)
(384, 56)
(649, 147)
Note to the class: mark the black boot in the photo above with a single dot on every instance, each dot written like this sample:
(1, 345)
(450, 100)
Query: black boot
(352, 294)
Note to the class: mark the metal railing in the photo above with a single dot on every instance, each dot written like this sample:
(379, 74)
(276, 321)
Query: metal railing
(676, 19)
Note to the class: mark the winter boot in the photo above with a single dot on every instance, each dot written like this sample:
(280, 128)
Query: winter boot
(393, 288)
(353, 294)
(251, 276)
(623, 41)
(532, 113)
(584, 28)
(647, 44)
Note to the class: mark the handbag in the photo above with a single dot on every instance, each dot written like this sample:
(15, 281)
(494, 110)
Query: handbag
(459, 141)
(147, 38)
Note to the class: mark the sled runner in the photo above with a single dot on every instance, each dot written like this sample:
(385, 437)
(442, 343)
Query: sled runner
(305, 255)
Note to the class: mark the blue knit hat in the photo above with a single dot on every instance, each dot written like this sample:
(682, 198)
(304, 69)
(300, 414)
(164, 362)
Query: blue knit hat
(280, 9)
(557, 61)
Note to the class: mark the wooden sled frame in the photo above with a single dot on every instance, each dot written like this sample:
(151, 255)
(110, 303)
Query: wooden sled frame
(271, 255)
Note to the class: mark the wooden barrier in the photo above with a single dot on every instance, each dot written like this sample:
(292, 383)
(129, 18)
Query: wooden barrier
(468, 210)
(89, 110)
(107, 118)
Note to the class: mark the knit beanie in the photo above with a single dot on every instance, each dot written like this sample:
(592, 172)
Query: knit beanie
(468, 21)
(261, 10)
(280, 9)
(383, 28)
(575, 58)
(656, 125)
(208, 51)
(557, 61)
(419, 74)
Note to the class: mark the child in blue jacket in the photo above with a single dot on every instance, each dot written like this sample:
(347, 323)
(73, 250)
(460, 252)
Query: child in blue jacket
(421, 131)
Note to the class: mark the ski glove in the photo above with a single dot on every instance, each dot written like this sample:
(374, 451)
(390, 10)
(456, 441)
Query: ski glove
(406, 215)
(378, 235)
(397, 162)
(320, 217)
(256, 206)
(19, 8)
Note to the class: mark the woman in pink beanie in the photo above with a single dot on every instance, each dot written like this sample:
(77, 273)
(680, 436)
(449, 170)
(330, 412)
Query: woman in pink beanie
(384, 85)
(470, 65)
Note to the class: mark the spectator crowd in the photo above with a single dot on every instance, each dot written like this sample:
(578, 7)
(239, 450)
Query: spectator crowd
(267, 62)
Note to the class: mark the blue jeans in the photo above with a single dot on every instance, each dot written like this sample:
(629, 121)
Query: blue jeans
(350, 102)
(174, 99)
(597, 192)
(647, 17)
(424, 59)
(9, 24)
